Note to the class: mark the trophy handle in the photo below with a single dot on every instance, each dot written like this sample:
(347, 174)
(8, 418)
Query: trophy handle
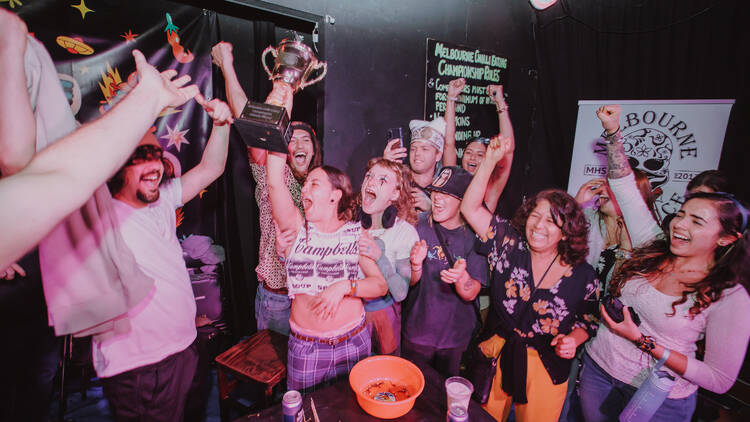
(316, 66)
(272, 50)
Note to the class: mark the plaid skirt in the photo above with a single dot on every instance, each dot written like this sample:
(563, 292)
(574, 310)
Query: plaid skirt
(311, 363)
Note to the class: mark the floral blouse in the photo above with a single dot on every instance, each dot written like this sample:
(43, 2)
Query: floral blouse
(534, 318)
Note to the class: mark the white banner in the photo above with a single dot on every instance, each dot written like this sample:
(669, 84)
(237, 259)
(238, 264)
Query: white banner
(670, 140)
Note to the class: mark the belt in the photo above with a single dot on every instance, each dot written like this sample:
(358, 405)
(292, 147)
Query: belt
(330, 341)
(282, 291)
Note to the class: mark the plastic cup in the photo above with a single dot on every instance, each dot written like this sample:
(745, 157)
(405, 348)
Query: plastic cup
(458, 390)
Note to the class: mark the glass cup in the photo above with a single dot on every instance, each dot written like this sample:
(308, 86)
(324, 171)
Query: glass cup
(458, 390)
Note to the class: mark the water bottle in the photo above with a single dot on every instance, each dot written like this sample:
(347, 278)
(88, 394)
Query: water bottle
(651, 394)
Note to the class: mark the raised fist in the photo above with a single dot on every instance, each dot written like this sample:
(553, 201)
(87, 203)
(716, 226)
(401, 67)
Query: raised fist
(221, 54)
(610, 117)
(456, 87)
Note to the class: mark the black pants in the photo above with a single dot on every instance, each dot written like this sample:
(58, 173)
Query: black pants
(446, 361)
(155, 392)
(30, 352)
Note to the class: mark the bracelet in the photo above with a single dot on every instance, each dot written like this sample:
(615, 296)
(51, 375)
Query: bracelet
(645, 343)
(606, 135)
(664, 358)
(501, 108)
(452, 98)
(353, 289)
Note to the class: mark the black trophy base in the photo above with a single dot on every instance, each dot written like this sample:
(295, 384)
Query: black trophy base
(264, 126)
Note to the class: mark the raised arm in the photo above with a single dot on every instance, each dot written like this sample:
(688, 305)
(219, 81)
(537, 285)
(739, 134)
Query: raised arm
(640, 223)
(501, 173)
(285, 214)
(617, 162)
(471, 206)
(17, 134)
(67, 172)
(222, 57)
(214, 155)
(455, 87)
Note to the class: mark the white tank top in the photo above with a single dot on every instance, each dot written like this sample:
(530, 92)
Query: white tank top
(319, 259)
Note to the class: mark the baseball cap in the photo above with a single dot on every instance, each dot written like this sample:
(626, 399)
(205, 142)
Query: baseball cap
(452, 181)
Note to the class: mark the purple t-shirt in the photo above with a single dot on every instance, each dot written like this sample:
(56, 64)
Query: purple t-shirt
(436, 315)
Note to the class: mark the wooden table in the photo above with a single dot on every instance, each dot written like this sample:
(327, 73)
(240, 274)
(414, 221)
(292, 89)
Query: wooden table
(260, 358)
(337, 402)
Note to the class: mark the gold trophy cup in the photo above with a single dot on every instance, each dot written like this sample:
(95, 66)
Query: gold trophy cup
(266, 126)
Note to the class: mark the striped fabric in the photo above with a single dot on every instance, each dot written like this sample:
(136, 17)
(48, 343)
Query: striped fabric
(311, 363)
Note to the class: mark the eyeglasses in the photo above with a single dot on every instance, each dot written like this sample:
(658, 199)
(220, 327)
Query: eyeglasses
(145, 153)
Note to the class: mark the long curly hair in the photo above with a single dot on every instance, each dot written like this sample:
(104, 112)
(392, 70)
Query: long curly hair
(730, 266)
(568, 216)
(404, 204)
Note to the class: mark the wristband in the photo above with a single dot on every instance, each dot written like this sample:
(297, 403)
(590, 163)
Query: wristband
(353, 289)
(452, 98)
(645, 343)
(664, 358)
(501, 108)
(608, 136)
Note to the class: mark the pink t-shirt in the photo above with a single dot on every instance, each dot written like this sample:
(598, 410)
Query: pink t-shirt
(163, 323)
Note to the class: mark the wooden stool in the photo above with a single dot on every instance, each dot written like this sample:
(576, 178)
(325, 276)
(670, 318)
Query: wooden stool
(260, 358)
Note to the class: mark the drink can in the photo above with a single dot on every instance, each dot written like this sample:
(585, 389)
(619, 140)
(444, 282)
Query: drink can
(292, 407)
(457, 413)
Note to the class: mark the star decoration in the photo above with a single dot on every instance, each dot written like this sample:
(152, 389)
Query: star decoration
(175, 137)
(83, 70)
(82, 8)
(12, 3)
(129, 36)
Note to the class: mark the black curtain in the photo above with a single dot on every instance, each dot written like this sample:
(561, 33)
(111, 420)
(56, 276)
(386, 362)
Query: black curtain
(638, 49)
(238, 224)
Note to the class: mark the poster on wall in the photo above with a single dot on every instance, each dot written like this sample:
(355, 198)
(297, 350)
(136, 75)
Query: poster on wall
(91, 45)
(475, 112)
(670, 140)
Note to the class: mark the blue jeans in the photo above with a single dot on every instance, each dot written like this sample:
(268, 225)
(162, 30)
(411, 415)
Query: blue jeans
(272, 311)
(604, 397)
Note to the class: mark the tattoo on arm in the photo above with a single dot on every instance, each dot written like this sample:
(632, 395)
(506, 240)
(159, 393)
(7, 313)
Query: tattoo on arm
(468, 285)
(617, 161)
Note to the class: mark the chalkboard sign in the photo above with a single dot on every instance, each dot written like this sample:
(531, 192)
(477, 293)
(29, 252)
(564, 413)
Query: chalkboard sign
(475, 113)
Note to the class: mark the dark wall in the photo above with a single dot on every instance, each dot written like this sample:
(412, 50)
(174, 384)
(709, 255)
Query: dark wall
(376, 57)
(375, 52)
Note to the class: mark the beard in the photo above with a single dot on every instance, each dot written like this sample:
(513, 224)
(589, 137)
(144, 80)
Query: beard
(147, 198)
